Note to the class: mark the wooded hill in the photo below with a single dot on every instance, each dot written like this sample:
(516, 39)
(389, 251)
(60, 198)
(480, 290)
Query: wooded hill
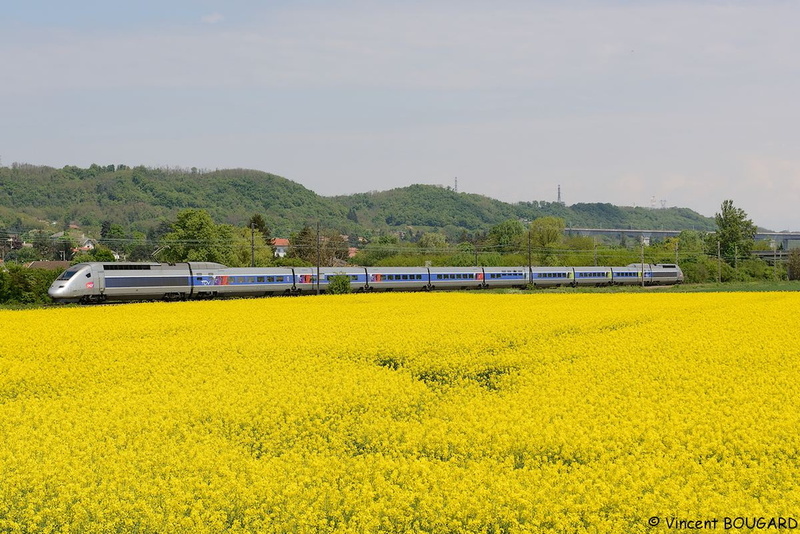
(139, 198)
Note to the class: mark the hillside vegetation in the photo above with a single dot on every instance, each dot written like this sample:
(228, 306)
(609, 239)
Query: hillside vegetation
(139, 198)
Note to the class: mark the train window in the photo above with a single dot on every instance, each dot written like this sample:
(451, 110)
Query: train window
(69, 273)
(405, 277)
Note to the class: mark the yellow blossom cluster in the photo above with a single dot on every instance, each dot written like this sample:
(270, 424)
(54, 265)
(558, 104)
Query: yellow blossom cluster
(544, 413)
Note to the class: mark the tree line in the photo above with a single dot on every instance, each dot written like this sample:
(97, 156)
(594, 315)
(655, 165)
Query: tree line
(724, 255)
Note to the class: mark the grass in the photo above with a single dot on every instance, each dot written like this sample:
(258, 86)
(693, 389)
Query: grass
(725, 287)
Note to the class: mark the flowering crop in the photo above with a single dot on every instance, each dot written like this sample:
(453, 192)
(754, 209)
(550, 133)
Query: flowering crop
(401, 413)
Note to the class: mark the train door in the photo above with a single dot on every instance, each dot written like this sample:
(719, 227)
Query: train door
(99, 279)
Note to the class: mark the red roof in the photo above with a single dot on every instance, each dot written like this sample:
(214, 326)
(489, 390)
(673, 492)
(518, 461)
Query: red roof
(281, 242)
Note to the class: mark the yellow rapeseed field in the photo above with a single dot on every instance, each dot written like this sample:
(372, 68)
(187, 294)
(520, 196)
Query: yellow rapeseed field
(608, 413)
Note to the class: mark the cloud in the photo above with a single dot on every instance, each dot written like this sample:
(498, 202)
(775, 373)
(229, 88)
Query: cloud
(439, 47)
(213, 18)
(616, 101)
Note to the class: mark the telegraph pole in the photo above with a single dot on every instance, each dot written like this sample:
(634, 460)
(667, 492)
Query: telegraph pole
(318, 257)
(719, 264)
(529, 246)
(775, 259)
(642, 261)
(252, 244)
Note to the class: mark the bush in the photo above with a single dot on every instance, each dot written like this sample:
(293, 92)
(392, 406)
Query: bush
(794, 264)
(339, 284)
(19, 285)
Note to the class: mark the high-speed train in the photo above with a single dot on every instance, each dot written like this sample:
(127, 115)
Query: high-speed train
(106, 282)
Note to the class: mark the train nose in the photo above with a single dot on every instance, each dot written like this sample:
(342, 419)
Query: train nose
(58, 291)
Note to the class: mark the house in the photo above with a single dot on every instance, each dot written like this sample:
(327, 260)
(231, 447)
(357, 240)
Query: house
(84, 245)
(281, 247)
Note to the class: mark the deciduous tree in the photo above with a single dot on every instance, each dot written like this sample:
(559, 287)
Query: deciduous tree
(735, 233)
(195, 237)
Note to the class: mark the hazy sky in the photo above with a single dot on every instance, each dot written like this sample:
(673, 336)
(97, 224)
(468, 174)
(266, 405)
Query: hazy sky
(690, 102)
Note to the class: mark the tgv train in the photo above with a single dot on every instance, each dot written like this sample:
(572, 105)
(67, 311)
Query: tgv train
(101, 282)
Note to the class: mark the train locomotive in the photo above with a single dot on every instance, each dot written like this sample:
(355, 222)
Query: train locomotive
(98, 282)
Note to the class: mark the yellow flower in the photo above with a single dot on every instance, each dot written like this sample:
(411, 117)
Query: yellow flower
(400, 413)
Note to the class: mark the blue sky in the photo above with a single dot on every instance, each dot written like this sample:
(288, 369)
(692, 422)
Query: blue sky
(622, 102)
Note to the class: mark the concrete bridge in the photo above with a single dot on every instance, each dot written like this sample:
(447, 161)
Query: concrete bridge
(784, 240)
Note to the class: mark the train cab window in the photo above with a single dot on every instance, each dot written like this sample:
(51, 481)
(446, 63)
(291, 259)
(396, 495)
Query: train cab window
(69, 273)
